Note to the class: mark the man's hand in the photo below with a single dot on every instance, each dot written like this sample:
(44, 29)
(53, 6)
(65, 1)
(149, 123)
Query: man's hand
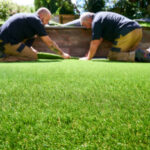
(54, 47)
(65, 55)
(84, 58)
(93, 48)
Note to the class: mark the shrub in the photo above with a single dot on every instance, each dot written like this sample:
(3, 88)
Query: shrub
(56, 6)
(4, 9)
(8, 8)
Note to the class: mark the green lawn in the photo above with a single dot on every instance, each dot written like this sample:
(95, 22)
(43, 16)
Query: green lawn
(144, 24)
(74, 105)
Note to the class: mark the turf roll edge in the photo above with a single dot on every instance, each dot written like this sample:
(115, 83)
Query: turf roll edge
(42, 55)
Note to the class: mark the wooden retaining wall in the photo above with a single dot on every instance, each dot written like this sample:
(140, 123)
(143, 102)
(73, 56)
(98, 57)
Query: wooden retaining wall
(67, 18)
(76, 41)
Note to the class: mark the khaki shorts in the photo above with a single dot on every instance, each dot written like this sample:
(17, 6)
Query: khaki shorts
(20, 50)
(124, 47)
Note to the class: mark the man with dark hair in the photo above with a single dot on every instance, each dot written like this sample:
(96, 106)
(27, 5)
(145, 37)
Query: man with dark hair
(18, 33)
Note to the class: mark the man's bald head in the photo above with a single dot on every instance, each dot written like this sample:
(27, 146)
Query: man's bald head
(44, 14)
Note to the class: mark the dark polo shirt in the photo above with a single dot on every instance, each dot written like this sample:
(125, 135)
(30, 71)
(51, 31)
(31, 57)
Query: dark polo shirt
(21, 26)
(109, 26)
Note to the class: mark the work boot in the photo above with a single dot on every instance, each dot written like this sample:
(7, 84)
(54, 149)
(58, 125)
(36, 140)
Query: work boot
(142, 56)
(2, 54)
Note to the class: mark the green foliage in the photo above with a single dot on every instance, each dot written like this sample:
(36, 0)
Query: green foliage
(67, 8)
(91, 5)
(5, 9)
(125, 8)
(52, 5)
(72, 104)
(145, 24)
(95, 5)
(132, 8)
(8, 8)
(1, 22)
(56, 6)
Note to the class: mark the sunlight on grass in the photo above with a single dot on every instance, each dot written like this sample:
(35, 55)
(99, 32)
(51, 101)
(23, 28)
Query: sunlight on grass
(71, 104)
(144, 24)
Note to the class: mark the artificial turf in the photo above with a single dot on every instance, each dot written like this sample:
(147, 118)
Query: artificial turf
(74, 105)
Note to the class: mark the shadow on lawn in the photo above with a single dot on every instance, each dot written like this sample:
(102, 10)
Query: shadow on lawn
(108, 61)
(37, 61)
(60, 60)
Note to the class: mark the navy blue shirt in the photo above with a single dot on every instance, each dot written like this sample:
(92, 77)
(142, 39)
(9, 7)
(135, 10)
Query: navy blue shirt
(21, 26)
(109, 26)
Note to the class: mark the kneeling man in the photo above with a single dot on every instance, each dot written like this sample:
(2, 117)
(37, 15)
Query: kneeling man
(18, 33)
(125, 34)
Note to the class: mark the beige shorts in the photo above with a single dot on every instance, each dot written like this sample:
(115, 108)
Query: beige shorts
(20, 50)
(124, 47)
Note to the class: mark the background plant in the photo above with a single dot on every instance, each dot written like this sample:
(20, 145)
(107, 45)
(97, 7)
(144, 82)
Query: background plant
(56, 6)
(8, 8)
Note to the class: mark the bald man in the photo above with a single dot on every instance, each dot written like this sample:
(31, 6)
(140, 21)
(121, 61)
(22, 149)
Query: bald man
(18, 33)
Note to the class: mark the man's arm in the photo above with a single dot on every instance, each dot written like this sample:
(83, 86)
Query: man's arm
(53, 46)
(93, 48)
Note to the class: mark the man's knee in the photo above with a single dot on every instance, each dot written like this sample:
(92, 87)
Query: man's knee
(26, 51)
(20, 50)
(29, 53)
